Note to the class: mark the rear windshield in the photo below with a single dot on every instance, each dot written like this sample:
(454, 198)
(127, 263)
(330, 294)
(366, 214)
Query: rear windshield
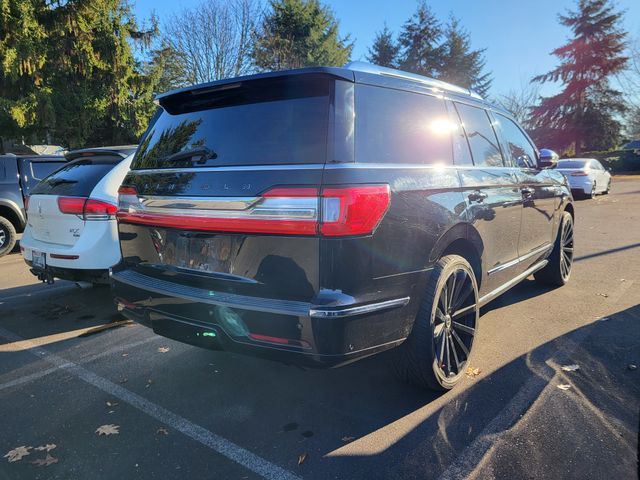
(76, 179)
(260, 122)
(570, 164)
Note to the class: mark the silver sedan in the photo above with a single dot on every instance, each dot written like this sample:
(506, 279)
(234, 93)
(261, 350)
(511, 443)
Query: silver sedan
(586, 176)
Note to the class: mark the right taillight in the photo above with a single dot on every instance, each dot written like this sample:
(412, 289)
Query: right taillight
(353, 210)
(579, 174)
(332, 211)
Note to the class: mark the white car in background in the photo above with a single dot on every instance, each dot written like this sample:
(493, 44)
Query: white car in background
(586, 176)
(71, 230)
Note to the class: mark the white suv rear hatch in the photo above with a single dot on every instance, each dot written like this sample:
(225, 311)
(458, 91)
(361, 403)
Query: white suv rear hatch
(49, 225)
(56, 212)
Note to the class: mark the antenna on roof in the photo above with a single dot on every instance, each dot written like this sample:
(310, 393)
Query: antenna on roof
(391, 72)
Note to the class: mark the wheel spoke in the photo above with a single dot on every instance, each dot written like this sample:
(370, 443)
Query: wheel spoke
(441, 351)
(461, 285)
(452, 289)
(439, 315)
(437, 330)
(446, 340)
(465, 328)
(464, 311)
(455, 354)
(442, 300)
(460, 342)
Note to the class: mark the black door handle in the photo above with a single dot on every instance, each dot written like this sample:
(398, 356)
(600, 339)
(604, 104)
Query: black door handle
(477, 196)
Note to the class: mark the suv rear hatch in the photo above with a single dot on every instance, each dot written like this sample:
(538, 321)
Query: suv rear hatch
(59, 205)
(222, 194)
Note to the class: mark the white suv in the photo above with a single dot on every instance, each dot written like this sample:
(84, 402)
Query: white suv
(71, 228)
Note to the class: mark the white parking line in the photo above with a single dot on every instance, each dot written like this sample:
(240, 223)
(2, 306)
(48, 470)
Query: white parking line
(224, 447)
(43, 373)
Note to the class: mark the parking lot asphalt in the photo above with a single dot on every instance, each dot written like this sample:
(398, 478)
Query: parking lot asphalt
(184, 412)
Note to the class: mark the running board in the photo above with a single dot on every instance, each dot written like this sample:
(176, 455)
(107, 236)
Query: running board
(511, 283)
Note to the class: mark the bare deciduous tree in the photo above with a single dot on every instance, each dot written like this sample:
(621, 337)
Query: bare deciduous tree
(629, 81)
(518, 102)
(213, 39)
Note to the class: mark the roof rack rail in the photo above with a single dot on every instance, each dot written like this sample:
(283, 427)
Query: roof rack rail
(391, 72)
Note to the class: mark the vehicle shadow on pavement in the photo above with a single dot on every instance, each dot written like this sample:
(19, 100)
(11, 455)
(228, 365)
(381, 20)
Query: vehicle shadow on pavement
(38, 310)
(589, 429)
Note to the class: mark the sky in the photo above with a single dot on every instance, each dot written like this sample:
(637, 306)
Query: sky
(518, 35)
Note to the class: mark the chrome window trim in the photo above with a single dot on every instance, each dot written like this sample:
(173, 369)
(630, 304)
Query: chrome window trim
(237, 168)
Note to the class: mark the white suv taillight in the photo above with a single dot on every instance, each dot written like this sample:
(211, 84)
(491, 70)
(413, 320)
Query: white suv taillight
(332, 211)
(87, 208)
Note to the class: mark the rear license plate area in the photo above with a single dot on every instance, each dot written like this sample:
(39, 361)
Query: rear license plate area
(38, 259)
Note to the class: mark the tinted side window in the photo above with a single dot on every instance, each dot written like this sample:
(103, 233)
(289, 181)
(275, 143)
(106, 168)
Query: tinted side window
(482, 138)
(522, 153)
(39, 170)
(400, 127)
(461, 151)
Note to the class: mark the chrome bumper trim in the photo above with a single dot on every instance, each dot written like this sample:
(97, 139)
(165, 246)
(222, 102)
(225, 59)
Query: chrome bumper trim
(320, 312)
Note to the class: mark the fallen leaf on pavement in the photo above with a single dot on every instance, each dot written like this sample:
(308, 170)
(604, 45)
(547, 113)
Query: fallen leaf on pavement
(605, 295)
(301, 458)
(570, 368)
(45, 462)
(604, 319)
(109, 429)
(48, 447)
(632, 366)
(348, 439)
(112, 404)
(163, 349)
(564, 386)
(124, 380)
(473, 372)
(17, 453)
(162, 431)
(149, 382)
(125, 354)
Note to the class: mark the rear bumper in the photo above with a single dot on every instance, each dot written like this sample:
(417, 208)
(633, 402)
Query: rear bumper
(289, 331)
(71, 274)
(97, 248)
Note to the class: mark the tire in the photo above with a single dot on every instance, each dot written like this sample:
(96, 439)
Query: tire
(421, 359)
(606, 192)
(558, 271)
(592, 194)
(8, 236)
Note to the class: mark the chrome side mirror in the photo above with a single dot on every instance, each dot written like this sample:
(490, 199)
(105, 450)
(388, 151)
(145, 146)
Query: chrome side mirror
(547, 158)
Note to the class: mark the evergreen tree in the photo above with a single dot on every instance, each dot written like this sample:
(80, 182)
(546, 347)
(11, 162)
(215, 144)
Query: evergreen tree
(24, 98)
(299, 33)
(384, 51)
(420, 42)
(584, 114)
(68, 72)
(460, 64)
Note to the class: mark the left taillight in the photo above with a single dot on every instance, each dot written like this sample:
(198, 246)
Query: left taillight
(87, 208)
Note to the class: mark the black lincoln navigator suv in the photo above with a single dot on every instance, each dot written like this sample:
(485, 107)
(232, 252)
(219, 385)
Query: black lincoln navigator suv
(325, 214)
